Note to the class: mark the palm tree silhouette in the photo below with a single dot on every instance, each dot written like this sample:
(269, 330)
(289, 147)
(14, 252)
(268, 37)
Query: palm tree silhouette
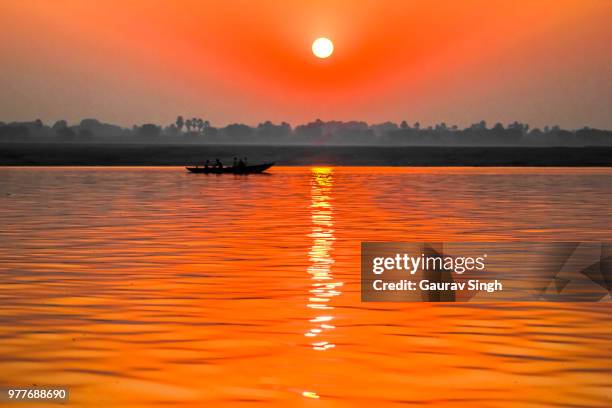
(180, 123)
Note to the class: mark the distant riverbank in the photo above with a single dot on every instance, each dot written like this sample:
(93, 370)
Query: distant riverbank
(57, 154)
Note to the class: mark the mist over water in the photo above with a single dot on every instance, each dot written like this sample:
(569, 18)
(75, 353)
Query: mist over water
(152, 286)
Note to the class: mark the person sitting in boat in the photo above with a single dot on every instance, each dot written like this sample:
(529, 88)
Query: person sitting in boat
(241, 164)
(235, 162)
(207, 164)
(218, 164)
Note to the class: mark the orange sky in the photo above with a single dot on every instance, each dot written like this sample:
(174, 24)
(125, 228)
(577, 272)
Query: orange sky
(135, 61)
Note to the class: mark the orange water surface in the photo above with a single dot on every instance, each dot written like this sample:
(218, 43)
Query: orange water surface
(153, 287)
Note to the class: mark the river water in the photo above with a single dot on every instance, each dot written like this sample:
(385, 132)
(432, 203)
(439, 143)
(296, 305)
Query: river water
(154, 287)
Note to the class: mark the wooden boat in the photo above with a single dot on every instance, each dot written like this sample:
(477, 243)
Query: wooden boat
(258, 168)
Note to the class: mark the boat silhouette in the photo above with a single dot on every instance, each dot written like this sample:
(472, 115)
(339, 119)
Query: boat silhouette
(258, 168)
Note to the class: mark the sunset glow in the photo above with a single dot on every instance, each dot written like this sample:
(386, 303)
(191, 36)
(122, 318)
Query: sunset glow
(126, 62)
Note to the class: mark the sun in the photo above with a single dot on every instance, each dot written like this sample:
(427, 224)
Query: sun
(322, 47)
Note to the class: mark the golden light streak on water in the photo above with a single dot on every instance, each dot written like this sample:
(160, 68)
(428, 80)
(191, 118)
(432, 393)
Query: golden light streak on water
(320, 255)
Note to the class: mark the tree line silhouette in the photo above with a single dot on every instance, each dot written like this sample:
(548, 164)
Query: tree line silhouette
(318, 132)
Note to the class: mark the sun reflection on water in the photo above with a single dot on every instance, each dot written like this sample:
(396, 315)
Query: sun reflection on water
(324, 287)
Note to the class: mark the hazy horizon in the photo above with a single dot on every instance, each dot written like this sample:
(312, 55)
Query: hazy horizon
(424, 125)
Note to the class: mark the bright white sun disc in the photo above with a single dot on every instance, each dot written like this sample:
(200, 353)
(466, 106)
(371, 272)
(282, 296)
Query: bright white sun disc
(322, 47)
